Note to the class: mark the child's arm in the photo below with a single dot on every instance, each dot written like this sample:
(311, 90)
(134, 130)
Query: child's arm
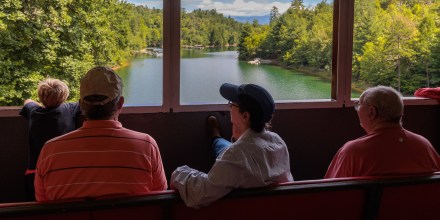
(30, 100)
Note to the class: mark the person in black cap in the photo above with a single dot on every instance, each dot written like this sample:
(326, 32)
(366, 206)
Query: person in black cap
(256, 157)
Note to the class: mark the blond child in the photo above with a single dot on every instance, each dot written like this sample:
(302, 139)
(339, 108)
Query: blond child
(52, 118)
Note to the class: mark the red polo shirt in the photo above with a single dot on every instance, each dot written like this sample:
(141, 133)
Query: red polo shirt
(386, 151)
(99, 159)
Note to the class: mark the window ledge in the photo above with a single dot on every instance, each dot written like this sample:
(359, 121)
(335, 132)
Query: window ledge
(420, 101)
(13, 111)
(409, 101)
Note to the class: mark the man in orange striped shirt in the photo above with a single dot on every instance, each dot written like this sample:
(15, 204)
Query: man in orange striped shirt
(101, 158)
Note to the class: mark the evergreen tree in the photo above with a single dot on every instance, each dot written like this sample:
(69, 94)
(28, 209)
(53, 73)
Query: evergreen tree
(244, 52)
(274, 14)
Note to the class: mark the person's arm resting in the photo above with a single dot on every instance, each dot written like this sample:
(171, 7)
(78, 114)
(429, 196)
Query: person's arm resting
(200, 189)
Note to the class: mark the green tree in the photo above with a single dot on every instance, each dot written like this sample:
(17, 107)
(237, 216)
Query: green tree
(63, 39)
(427, 31)
(244, 50)
(208, 28)
(319, 44)
(374, 65)
(368, 26)
(294, 35)
(274, 14)
(400, 31)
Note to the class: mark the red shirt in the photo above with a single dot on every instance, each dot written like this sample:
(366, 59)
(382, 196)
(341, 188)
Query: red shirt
(387, 151)
(101, 158)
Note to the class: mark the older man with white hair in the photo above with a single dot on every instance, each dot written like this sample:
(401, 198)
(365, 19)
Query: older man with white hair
(388, 148)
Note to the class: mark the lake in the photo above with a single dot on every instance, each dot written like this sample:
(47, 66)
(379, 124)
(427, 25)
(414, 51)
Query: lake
(202, 73)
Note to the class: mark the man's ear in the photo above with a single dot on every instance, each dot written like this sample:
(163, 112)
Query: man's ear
(372, 112)
(246, 116)
(120, 102)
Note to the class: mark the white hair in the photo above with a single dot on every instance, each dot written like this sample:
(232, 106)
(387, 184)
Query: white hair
(387, 101)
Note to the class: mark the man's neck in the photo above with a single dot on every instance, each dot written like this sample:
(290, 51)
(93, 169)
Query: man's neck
(380, 125)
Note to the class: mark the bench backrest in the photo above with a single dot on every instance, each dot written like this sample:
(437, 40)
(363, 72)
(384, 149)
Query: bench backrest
(418, 199)
(412, 197)
(337, 204)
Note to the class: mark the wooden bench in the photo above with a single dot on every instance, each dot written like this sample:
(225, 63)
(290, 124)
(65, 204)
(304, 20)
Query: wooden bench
(315, 199)
(404, 197)
(133, 207)
(410, 198)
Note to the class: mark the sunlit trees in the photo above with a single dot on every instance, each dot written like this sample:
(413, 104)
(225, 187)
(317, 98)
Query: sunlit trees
(395, 43)
(400, 50)
(426, 43)
(319, 46)
(63, 39)
(300, 37)
(208, 28)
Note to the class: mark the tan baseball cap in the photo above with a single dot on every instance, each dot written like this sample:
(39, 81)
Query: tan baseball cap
(100, 81)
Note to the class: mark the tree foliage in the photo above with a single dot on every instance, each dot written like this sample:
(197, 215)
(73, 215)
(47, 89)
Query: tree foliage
(395, 43)
(400, 50)
(65, 38)
(208, 28)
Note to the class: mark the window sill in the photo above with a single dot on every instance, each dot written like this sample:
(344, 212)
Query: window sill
(13, 111)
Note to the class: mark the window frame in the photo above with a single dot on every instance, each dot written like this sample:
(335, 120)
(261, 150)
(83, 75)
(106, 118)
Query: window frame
(343, 18)
(337, 92)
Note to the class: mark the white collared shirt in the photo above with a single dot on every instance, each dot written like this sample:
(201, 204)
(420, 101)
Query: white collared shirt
(254, 160)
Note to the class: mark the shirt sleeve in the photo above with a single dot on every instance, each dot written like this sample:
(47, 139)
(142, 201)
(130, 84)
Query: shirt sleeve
(159, 179)
(27, 109)
(340, 165)
(40, 190)
(435, 158)
(74, 108)
(200, 189)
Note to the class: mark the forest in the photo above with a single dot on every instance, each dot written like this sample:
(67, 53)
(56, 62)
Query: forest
(396, 43)
(65, 38)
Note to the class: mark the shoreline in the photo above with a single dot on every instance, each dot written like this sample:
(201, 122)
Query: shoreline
(325, 75)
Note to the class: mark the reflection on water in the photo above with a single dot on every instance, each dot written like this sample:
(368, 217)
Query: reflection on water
(201, 78)
(143, 81)
(202, 73)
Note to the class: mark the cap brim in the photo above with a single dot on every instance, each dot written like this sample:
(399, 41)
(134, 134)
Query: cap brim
(230, 92)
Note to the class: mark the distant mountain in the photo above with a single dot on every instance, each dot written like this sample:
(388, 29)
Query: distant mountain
(265, 19)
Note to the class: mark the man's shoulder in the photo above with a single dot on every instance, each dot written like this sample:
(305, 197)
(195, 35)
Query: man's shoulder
(123, 133)
(66, 136)
(271, 134)
(132, 134)
(269, 138)
(251, 135)
(355, 144)
(413, 134)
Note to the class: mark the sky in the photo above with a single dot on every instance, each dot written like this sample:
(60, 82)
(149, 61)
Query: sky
(231, 7)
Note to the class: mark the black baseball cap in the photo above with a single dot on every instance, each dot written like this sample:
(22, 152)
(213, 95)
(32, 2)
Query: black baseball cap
(241, 93)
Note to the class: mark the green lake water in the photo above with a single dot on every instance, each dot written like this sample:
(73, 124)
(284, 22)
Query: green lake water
(202, 73)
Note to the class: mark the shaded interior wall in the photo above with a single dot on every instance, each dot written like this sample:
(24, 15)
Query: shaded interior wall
(312, 135)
